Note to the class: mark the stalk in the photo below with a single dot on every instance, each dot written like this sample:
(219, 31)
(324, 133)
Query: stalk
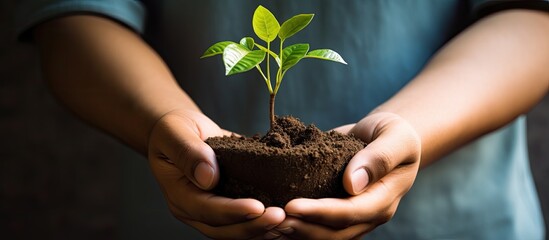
(265, 78)
(271, 109)
(278, 80)
(272, 95)
(279, 72)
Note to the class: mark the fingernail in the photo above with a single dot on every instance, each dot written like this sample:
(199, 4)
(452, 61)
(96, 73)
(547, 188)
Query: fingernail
(271, 235)
(359, 179)
(286, 230)
(204, 175)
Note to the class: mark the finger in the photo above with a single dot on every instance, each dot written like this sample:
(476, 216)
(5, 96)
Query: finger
(185, 200)
(392, 143)
(375, 206)
(294, 228)
(178, 139)
(229, 133)
(212, 209)
(255, 228)
(345, 129)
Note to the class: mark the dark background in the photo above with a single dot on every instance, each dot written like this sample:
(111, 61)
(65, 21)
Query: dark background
(61, 179)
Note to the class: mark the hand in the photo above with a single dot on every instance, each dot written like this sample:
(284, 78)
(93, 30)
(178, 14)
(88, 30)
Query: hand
(377, 176)
(185, 167)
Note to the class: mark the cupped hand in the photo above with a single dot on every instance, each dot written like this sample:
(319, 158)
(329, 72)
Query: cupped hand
(185, 167)
(377, 177)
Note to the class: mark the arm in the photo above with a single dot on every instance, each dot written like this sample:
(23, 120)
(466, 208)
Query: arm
(480, 81)
(483, 79)
(109, 77)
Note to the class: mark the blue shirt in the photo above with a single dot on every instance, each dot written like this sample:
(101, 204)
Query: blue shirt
(481, 191)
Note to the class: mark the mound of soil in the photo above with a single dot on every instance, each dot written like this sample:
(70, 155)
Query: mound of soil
(291, 161)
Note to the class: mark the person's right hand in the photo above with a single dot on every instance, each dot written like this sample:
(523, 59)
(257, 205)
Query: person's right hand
(185, 167)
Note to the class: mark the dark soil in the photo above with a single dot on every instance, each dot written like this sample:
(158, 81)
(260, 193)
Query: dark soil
(291, 161)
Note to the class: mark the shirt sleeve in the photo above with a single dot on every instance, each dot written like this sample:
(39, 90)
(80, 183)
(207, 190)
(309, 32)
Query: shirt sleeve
(482, 8)
(30, 13)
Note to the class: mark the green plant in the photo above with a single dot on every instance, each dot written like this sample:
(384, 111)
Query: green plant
(241, 57)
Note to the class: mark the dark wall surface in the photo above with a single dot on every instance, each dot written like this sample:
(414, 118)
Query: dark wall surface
(61, 179)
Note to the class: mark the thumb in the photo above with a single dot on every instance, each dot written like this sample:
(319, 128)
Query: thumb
(196, 160)
(178, 140)
(392, 144)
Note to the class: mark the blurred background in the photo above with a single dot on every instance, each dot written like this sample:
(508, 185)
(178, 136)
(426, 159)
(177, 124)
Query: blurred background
(61, 179)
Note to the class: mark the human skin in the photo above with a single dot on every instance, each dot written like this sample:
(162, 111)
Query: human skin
(108, 76)
(111, 79)
(499, 63)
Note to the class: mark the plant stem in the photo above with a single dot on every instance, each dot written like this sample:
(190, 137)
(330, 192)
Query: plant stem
(265, 78)
(272, 95)
(268, 65)
(279, 72)
(271, 110)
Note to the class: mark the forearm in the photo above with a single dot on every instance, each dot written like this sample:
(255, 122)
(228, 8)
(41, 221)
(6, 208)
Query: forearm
(480, 81)
(108, 76)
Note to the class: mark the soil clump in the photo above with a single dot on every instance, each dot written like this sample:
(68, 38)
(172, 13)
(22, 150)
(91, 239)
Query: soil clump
(291, 161)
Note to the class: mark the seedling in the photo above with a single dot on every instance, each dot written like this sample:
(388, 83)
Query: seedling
(243, 56)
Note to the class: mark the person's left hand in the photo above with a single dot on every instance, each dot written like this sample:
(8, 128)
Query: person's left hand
(377, 177)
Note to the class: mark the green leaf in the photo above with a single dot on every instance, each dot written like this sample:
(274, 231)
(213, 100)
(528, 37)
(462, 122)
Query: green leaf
(248, 42)
(294, 25)
(292, 54)
(265, 25)
(216, 49)
(238, 59)
(273, 54)
(326, 54)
